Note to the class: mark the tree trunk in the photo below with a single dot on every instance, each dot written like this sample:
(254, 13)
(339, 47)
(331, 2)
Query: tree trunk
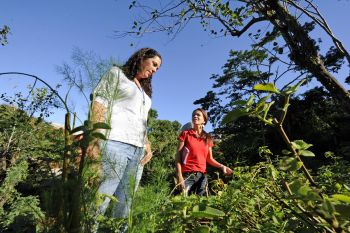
(303, 50)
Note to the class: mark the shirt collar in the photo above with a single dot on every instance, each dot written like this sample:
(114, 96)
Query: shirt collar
(192, 132)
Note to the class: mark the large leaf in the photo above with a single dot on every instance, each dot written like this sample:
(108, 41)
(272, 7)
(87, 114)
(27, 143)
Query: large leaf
(306, 153)
(342, 197)
(98, 135)
(262, 105)
(234, 115)
(300, 145)
(267, 108)
(101, 125)
(239, 103)
(270, 87)
(293, 88)
(81, 128)
(206, 212)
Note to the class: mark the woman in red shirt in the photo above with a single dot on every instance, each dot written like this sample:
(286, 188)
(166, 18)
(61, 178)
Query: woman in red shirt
(193, 153)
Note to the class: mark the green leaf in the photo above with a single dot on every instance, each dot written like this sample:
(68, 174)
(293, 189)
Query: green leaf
(267, 108)
(263, 99)
(233, 115)
(303, 190)
(300, 145)
(206, 212)
(285, 107)
(296, 185)
(239, 103)
(295, 165)
(290, 164)
(329, 154)
(342, 197)
(274, 172)
(327, 208)
(262, 105)
(88, 124)
(112, 198)
(202, 229)
(183, 12)
(313, 196)
(98, 135)
(286, 152)
(306, 153)
(346, 187)
(259, 108)
(101, 125)
(270, 87)
(179, 202)
(77, 129)
(250, 101)
(293, 88)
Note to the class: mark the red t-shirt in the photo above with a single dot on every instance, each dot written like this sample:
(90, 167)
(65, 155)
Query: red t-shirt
(195, 152)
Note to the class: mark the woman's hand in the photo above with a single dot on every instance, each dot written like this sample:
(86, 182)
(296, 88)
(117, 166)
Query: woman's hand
(181, 183)
(146, 158)
(226, 170)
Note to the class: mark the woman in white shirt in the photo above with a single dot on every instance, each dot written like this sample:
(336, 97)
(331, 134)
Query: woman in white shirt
(123, 99)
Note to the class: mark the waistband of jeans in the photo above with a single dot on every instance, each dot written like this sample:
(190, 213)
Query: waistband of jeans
(194, 173)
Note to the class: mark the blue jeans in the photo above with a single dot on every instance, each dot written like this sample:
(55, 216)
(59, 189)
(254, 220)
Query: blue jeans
(196, 182)
(122, 173)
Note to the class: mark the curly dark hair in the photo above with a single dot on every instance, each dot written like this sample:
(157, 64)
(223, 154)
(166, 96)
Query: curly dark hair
(133, 64)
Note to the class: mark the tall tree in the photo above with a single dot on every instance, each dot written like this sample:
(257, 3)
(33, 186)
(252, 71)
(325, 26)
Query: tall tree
(235, 18)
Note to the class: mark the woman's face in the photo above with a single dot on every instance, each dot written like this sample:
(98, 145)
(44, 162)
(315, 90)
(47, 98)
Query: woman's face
(198, 118)
(148, 67)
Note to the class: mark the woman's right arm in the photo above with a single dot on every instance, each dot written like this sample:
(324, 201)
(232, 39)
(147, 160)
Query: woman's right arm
(180, 179)
(98, 114)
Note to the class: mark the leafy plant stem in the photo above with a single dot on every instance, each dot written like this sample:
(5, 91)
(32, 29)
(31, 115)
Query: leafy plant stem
(303, 218)
(46, 84)
(310, 215)
(280, 129)
(284, 111)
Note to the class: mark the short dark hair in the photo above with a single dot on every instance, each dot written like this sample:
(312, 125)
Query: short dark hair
(133, 64)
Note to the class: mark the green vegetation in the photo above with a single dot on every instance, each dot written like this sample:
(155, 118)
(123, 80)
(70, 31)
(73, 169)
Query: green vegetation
(276, 194)
(288, 144)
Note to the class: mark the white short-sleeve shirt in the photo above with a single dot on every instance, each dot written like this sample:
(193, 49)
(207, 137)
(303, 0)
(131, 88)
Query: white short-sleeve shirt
(127, 107)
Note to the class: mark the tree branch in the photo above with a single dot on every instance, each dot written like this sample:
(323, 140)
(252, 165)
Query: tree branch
(323, 24)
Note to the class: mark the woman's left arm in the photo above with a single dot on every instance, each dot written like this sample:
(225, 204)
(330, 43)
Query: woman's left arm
(148, 155)
(214, 163)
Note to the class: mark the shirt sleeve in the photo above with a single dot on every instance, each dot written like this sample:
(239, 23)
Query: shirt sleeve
(107, 89)
(182, 136)
(210, 143)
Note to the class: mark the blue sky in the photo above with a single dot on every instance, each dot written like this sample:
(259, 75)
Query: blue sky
(44, 33)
